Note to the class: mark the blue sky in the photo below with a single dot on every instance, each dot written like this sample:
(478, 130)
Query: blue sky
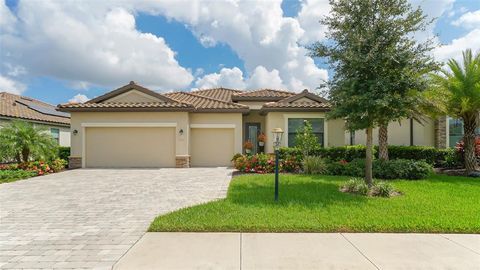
(54, 51)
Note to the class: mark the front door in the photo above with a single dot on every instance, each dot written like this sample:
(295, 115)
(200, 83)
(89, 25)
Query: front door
(252, 130)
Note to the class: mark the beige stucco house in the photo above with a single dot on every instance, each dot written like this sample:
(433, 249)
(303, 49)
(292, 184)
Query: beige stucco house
(16, 107)
(135, 127)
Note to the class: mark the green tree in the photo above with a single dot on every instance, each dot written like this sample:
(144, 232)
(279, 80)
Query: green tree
(379, 66)
(305, 140)
(455, 91)
(21, 141)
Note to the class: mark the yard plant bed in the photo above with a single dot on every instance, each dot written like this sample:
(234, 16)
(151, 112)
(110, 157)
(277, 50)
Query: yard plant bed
(315, 204)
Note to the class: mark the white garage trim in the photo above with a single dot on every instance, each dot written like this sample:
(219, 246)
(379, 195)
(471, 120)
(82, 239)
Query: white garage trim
(212, 126)
(129, 124)
(85, 125)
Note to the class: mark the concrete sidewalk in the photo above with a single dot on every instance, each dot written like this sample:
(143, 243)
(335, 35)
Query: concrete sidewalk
(303, 251)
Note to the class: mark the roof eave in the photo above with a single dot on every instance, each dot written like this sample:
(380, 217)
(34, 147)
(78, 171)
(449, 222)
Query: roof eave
(184, 109)
(211, 110)
(237, 98)
(267, 110)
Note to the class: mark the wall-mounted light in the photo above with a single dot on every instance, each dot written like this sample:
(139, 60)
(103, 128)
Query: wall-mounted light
(75, 132)
(180, 132)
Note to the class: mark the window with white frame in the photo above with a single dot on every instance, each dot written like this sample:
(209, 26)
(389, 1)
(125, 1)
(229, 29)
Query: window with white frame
(55, 132)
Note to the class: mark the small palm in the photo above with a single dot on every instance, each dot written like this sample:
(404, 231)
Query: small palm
(21, 141)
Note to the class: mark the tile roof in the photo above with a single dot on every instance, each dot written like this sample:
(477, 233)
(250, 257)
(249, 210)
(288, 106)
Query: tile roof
(127, 106)
(15, 106)
(224, 94)
(263, 94)
(314, 103)
(203, 103)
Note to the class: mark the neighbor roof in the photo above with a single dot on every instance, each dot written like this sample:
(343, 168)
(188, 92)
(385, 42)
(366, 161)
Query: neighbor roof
(15, 106)
(203, 103)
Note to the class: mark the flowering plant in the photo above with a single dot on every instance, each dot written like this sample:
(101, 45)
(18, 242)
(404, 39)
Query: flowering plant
(248, 145)
(262, 137)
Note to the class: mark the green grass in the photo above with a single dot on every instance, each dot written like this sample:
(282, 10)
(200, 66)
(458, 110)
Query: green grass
(7, 176)
(315, 204)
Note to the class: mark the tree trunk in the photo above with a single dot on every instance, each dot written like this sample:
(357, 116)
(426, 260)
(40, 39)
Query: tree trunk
(369, 158)
(25, 154)
(383, 142)
(469, 145)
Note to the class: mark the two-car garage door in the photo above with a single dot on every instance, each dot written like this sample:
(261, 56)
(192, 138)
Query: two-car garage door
(129, 147)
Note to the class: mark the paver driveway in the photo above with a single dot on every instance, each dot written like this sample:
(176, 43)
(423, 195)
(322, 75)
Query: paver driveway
(90, 218)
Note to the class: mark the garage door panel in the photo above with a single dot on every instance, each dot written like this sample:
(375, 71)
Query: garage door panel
(130, 147)
(211, 147)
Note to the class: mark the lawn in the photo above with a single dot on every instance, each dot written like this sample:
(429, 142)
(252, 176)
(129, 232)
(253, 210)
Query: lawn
(7, 176)
(314, 204)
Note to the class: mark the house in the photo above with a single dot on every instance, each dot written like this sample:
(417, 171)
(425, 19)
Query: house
(15, 107)
(133, 126)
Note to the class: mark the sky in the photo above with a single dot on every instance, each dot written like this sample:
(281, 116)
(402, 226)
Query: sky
(71, 51)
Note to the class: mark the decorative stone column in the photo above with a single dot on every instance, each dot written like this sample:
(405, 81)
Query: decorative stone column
(441, 132)
(182, 161)
(74, 162)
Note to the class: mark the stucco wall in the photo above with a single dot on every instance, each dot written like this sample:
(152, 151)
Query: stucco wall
(133, 96)
(64, 136)
(180, 118)
(399, 134)
(221, 119)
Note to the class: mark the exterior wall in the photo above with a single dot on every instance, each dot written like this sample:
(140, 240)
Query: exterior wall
(399, 134)
(333, 129)
(253, 105)
(64, 136)
(181, 120)
(133, 96)
(210, 120)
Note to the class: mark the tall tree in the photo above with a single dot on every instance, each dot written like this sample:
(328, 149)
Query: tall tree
(22, 140)
(378, 64)
(456, 92)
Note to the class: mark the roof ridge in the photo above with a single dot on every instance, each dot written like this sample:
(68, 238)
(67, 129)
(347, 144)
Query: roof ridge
(267, 89)
(210, 98)
(218, 88)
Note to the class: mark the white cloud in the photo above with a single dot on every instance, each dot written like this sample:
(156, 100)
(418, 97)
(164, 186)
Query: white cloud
(229, 78)
(11, 86)
(310, 13)
(89, 43)
(79, 98)
(262, 78)
(7, 19)
(468, 20)
(455, 48)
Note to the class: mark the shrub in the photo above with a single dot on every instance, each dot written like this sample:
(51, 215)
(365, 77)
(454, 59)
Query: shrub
(58, 164)
(390, 169)
(12, 175)
(314, 165)
(237, 155)
(358, 186)
(264, 163)
(382, 189)
(63, 152)
(461, 151)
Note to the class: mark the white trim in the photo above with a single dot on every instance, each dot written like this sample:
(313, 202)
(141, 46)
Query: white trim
(154, 99)
(300, 115)
(129, 124)
(212, 125)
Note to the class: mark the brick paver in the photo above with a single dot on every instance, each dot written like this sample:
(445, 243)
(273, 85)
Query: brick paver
(87, 219)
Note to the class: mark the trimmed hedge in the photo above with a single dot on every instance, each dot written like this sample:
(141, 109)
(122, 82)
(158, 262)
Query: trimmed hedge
(390, 169)
(12, 175)
(433, 156)
(64, 152)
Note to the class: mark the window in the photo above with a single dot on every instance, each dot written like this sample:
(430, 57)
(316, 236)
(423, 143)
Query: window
(55, 132)
(455, 130)
(294, 124)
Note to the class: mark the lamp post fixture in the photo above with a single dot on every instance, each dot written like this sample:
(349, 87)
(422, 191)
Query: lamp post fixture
(277, 141)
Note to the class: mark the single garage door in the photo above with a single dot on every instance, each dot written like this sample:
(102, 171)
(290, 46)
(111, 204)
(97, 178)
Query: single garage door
(129, 147)
(211, 147)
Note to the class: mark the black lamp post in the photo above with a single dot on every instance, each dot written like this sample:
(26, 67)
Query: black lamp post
(277, 140)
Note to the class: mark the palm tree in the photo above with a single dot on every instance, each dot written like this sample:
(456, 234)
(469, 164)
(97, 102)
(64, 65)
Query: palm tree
(456, 92)
(22, 140)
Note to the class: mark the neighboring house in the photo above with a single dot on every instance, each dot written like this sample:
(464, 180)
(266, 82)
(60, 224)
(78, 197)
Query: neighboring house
(15, 107)
(135, 127)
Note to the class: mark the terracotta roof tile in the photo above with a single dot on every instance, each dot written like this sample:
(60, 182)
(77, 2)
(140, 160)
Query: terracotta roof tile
(16, 106)
(263, 94)
(126, 105)
(206, 103)
(224, 94)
